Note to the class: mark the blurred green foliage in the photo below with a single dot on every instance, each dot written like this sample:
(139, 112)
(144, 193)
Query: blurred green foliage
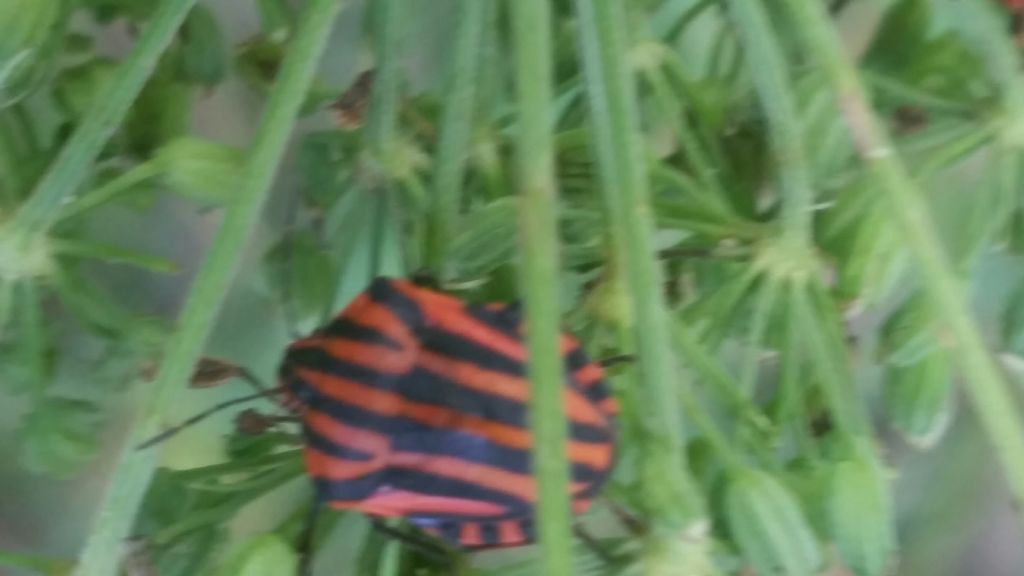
(787, 435)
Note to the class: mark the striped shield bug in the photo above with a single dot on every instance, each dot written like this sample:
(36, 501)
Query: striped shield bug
(413, 405)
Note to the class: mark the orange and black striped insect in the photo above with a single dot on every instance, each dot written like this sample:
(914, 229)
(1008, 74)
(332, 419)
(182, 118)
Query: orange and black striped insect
(413, 404)
(1016, 10)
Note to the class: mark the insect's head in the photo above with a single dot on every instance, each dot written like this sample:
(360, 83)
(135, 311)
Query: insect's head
(296, 392)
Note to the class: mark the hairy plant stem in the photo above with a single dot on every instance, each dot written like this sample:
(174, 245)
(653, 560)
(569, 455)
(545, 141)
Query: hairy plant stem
(669, 496)
(538, 225)
(135, 469)
(104, 115)
(771, 80)
(770, 73)
(987, 387)
(382, 124)
(456, 126)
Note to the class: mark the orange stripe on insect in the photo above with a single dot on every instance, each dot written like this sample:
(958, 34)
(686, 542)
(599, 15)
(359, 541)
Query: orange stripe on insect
(588, 375)
(609, 406)
(386, 403)
(345, 436)
(390, 502)
(472, 376)
(450, 314)
(510, 532)
(370, 314)
(471, 534)
(580, 505)
(323, 465)
(379, 358)
(380, 402)
(521, 486)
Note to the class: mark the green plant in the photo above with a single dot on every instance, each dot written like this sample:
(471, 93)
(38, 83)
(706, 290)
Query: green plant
(714, 186)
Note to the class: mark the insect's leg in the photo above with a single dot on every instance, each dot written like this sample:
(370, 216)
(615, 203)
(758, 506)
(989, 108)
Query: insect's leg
(616, 360)
(426, 546)
(304, 545)
(424, 278)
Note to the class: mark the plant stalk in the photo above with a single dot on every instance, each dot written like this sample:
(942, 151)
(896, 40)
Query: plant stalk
(771, 79)
(669, 496)
(986, 385)
(382, 124)
(135, 469)
(456, 127)
(531, 26)
(105, 114)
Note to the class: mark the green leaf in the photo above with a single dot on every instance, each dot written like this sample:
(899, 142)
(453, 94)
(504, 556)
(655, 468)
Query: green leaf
(487, 239)
(161, 112)
(301, 274)
(126, 356)
(203, 54)
(89, 304)
(277, 16)
(200, 168)
(900, 36)
(31, 33)
(58, 436)
(27, 360)
(107, 10)
(76, 248)
(325, 163)
(267, 555)
(258, 60)
(78, 86)
(767, 524)
(919, 398)
(909, 334)
(908, 46)
(860, 513)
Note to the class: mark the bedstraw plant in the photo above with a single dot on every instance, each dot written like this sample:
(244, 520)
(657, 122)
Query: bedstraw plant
(789, 234)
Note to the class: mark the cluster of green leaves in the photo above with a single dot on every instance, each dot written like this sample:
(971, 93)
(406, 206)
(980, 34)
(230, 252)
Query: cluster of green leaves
(51, 291)
(780, 256)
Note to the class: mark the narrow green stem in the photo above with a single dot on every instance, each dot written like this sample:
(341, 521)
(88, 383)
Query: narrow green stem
(724, 385)
(456, 126)
(693, 407)
(120, 185)
(672, 108)
(531, 26)
(985, 382)
(771, 79)
(669, 496)
(764, 306)
(821, 336)
(382, 124)
(135, 469)
(111, 253)
(104, 115)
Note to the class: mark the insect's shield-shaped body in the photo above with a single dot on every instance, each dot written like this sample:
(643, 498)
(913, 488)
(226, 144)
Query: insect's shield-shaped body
(414, 405)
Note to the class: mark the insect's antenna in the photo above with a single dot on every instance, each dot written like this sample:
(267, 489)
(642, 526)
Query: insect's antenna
(288, 306)
(205, 414)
